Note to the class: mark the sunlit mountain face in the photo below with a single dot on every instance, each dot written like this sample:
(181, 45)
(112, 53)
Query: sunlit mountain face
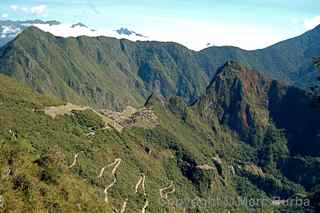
(171, 106)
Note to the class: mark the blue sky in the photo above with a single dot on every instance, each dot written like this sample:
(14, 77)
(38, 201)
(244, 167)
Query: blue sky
(249, 24)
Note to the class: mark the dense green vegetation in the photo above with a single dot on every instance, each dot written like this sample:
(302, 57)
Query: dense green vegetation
(203, 156)
(273, 119)
(110, 73)
(245, 137)
(37, 150)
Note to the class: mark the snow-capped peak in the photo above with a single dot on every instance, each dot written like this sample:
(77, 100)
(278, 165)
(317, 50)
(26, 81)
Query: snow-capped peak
(79, 29)
(78, 25)
(127, 32)
(10, 29)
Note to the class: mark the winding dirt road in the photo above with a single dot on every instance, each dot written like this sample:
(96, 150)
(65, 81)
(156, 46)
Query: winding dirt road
(74, 160)
(146, 204)
(164, 194)
(116, 164)
(106, 199)
(124, 206)
(101, 172)
(170, 192)
(142, 183)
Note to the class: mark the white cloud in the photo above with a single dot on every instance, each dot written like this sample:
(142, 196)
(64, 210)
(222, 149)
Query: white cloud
(196, 34)
(14, 7)
(66, 30)
(38, 9)
(4, 15)
(294, 21)
(187, 32)
(9, 31)
(312, 23)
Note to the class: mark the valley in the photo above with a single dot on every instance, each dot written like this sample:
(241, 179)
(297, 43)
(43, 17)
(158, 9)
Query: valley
(107, 125)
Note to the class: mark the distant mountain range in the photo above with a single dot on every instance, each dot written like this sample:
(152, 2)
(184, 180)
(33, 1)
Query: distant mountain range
(79, 25)
(125, 31)
(10, 29)
(290, 60)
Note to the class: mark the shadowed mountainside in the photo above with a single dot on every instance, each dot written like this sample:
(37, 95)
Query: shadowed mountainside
(111, 73)
(197, 151)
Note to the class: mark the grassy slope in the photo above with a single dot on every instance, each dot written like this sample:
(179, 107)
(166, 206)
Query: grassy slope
(41, 149)
(103, 72)
(37, 151)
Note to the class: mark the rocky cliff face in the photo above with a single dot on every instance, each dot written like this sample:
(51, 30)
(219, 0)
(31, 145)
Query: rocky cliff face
(247, 102)
(238, 98)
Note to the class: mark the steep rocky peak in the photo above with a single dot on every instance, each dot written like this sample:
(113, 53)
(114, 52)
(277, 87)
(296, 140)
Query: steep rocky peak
(235, 77)
(238, 97)
(235, 70)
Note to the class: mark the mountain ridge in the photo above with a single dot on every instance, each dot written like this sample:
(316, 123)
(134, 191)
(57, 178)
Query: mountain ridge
(134, 66)
(142, 67)
(199, 156)
(102, 124)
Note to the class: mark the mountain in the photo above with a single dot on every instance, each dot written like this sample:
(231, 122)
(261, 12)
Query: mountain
(79, 25)
(40, 170)
(61, 157)
(10, 29)
(110, 73)
(127, 32)
(102, 71)
(274, 118)
(290, 60)
(248, 103)
(238, 97)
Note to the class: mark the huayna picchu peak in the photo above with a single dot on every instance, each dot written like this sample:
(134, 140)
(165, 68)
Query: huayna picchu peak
(96, 118)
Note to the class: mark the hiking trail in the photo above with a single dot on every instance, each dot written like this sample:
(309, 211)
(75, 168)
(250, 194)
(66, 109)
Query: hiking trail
(145, 206)
(116, 164)
(142, 183)
(164, 194)
(74, 160)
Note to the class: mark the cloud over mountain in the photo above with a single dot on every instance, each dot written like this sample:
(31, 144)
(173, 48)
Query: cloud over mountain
(312, 23)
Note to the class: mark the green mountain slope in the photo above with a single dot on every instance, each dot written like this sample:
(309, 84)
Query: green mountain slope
(245, 101)
(63, 163)
(277, 120)
(110, 73)
(290, 60)
(104, 72)
(39, 172)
